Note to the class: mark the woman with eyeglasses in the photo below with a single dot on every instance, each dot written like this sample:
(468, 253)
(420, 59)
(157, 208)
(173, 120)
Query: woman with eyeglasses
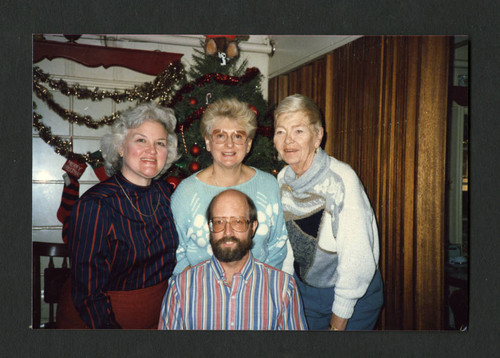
(228, 127)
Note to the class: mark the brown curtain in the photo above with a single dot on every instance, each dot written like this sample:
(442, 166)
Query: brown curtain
(384, 99)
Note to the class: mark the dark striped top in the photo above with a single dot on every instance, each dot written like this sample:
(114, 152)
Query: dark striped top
(114, 248)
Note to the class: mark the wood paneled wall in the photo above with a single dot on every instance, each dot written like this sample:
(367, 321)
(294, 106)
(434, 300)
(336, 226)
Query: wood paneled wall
(384, 99)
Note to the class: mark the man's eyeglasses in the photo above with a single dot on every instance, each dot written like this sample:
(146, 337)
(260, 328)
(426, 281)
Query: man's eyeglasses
(237, 223)
(220, 137)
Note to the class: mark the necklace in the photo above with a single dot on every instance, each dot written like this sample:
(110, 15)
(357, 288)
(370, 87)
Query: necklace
(130, 201)
(238, 181)
(214, 178)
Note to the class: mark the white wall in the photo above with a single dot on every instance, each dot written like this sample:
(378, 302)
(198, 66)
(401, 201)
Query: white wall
(293, 51)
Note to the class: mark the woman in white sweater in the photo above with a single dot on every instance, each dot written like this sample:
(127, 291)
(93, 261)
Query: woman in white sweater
(330, 223)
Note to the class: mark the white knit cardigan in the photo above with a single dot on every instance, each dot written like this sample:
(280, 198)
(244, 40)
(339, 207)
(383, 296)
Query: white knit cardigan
(348, 227)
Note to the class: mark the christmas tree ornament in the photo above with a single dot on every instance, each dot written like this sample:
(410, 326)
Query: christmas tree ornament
(195, 150)
(194, 167)
(223, 60)
(224, 46)
(254, 109)
(181, 129)
(193, 101)
(173, 180)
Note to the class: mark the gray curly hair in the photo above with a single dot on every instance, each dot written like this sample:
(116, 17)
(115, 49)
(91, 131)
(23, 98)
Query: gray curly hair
(133, 118)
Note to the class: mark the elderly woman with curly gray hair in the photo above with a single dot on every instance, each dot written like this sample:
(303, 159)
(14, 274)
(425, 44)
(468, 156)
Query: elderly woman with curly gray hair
(122, 238)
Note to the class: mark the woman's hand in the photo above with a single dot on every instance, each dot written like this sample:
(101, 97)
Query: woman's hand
(337, 323)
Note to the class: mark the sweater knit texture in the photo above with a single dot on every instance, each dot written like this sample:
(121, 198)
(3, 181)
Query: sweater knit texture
(345, 251)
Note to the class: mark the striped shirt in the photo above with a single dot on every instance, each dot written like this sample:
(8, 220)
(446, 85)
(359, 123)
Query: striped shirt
(114, 248)
(260, 297)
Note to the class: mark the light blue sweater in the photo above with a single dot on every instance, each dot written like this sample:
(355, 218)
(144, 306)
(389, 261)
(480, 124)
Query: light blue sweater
(189, 204)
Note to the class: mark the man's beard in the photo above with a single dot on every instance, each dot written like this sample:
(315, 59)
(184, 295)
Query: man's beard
(231, 254)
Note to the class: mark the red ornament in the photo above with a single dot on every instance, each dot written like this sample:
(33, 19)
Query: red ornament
(194, 167)
(192, 101)
(195, 150)
(174, 181)
(254, 109)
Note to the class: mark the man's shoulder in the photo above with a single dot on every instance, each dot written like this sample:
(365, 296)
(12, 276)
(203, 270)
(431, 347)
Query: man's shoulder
(272, 271)
(193, 271)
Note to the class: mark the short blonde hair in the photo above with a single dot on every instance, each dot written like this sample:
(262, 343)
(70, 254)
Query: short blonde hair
(230, 108)
(298, 102)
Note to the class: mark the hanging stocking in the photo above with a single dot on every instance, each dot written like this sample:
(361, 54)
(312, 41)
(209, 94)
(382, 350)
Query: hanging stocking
(70, 194)
(98, 168)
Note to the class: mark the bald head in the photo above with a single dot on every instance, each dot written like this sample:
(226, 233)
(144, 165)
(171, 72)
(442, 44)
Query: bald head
(232, 203)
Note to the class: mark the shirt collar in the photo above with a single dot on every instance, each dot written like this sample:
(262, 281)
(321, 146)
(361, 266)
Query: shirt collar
(246, 271)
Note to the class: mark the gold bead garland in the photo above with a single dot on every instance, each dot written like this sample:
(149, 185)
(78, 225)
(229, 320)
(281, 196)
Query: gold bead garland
(161, 88)
(62, 147)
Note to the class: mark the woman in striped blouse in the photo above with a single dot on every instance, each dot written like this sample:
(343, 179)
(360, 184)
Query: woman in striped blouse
(122, 239)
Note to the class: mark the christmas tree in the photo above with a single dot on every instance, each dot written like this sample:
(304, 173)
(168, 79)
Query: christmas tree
(208, 79)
